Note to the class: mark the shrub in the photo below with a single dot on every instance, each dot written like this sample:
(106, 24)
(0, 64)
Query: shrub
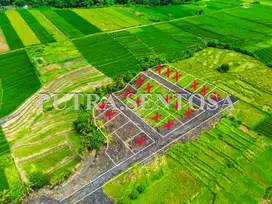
(38, 179)
(224, 68)
(134, 194)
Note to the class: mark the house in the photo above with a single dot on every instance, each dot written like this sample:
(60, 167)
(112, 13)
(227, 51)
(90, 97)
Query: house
(25, 6)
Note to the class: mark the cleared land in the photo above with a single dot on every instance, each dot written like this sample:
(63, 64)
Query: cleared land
(36, 27)
(18, 80)
(3, 44)
(78, 22)
(50, 27)
(10, 34)
(25, 33)
(61, 23)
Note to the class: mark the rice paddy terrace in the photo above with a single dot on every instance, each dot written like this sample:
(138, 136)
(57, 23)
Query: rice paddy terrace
(48, 50)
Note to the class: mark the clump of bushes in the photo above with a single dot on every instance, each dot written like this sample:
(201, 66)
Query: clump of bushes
(224, 68)
(38, 179)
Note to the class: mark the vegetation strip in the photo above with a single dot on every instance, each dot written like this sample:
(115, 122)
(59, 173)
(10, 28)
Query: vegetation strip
(26, 35)
(11, 36)
(38, 29)
(79, 23)
(61, 23)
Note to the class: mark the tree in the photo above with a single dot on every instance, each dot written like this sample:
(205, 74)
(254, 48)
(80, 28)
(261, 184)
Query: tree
(20, 3)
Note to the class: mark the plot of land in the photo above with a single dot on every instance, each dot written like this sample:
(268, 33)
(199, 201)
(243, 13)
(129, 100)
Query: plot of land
(107, 55)
(110, 18)
(61, 23)
(25, 33)
(54, 59)
(10, 34)
(50, 27)
(79, 23)
(252, 88)
(18, 80)
(36, 27)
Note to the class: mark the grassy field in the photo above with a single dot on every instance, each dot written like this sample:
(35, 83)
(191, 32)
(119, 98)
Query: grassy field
(110, 18)
(36, 27)
(61, 23)
(216, 167)
(25, 33)
(18, 80)
(10, 34)
(239, 81)
(78, 22)
(106, 54)
(54, 59)
(53, 30)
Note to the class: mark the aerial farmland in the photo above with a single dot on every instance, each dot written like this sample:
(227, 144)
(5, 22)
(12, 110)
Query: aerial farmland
(136, 102)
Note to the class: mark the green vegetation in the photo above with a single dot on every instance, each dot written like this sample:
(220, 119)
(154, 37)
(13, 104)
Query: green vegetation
(265, 127)
(224, 67)
(18, 80)
(37, 179)
(54, 59)
(61, 23)
(110, 18)
(248, 79)
(27, 151)
(91, 137)
(10, 180)
(107, 55)
(25, 33)
(47, 161)
(265, 55)
(217, 167)
(79, 23)
(36, 27)
(11, 36)
(63, 172)
(56, 34)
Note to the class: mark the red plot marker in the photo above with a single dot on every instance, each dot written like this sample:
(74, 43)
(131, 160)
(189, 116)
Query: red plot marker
(140, 81)
(140, 141)
(128, 93)
(148, 88)
(102, 106)
(188, 113)
(176, 106)
(110, 114)
(138, 101)
(176, 77)
(167, 98)
(169, 71)
(195, 84)
(204, 90)
(156, 117)
(159, 68)
(215, 96)
(168, 125)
